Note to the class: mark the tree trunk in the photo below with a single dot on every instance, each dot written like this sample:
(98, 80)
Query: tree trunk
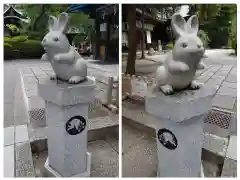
(142, 31)
(131, 39)
(39, 17)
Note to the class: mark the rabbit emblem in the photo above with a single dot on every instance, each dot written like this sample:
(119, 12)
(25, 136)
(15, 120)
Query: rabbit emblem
(66, 62)
(180, 66)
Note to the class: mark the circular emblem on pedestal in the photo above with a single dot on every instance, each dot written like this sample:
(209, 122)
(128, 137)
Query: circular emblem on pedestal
(167, 139)
(75, 125)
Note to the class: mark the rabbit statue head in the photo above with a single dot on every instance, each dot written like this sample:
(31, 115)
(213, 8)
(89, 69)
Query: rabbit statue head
(55, 40)
(187, 44)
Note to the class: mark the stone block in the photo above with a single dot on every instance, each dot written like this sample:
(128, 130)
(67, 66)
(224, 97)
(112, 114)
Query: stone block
(180, 147)
(180, 106)
(67, 120)
(62, 93)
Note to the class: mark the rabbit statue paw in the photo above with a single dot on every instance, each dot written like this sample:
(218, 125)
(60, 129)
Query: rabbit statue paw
(53, 76)
(195, 85)
(66, 62)
(180, 66)
(76, 79)
(167, 89)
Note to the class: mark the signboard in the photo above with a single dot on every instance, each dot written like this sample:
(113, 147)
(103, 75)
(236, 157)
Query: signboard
(148, 27)
(149, 40)
(75, 125)
(103, 27)
(167, 139)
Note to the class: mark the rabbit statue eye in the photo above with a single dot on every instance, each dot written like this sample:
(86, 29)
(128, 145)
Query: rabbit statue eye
(184, 45)
(55, 39)
(199, 46)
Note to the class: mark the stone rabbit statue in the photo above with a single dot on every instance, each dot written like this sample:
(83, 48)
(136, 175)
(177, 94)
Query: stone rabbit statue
(66, 62)
(179, 68)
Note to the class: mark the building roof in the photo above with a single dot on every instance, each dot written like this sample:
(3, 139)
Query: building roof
(90, 9)
(11, 12)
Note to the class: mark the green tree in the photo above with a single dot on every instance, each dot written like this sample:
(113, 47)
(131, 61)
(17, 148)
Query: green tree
(39, 14)
(216, 21)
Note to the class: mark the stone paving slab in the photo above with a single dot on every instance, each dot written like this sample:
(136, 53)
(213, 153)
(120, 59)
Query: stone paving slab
(8, 114)
(227, 91)
(231, 78)
(23, 161)
(20, 163)
(9, 135)
(104, 159)
(9, 169)
(21, 133)
(224, 101)
(140, 160)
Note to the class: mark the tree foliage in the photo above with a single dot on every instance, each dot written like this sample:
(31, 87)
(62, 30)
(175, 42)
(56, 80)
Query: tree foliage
(216, 20)
(39, 14)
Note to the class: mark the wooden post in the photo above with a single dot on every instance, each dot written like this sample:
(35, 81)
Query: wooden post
(109, 91)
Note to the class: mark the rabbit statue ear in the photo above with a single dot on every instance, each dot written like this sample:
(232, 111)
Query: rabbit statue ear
(62, 22)
(52, 23)
(193, 24)
(179, 25)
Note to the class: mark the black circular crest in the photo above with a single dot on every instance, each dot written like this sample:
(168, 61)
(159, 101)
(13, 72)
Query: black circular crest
(167, 139)
(75, 125)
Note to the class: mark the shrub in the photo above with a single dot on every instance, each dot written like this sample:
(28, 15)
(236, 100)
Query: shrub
(14, 30)
(22, 49)
(7, 45)
(170, 46)
(19, 38)
(204, 37)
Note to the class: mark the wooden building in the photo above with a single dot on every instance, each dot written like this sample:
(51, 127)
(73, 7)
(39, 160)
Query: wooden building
(106, 39)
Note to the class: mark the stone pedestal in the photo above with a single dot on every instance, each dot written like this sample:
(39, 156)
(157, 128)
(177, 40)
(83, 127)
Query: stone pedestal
(179, 132)
(67, 121)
